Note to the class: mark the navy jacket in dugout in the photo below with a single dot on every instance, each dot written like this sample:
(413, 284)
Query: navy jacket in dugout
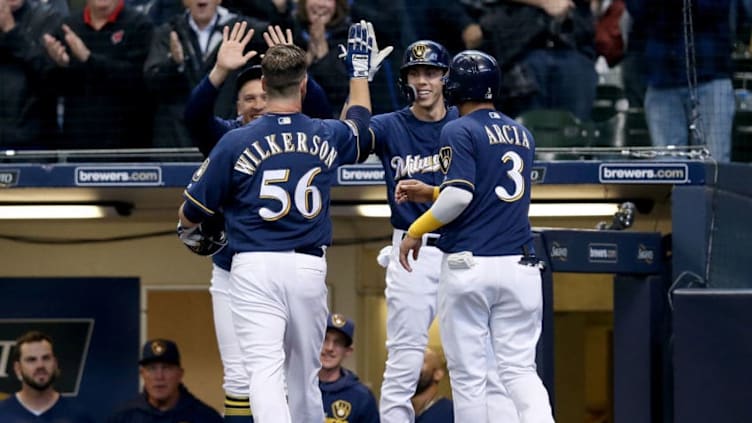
(348, 400)
(189, 409)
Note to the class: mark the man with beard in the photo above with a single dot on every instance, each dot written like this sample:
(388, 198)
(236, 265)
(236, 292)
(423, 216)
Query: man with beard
(35, 365)
(345, 398)
(429, 406)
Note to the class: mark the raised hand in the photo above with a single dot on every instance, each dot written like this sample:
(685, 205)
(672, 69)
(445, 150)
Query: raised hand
(357, 55)
(230, 54)
(274, 36)
(377, 56)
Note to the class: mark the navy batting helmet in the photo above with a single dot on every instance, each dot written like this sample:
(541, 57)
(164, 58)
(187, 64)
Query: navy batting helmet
(473, 75)
(421, 53)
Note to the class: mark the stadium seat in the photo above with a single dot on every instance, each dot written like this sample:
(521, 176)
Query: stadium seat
(636, 129)
(609, 100)
(555, 128)
(741, 141)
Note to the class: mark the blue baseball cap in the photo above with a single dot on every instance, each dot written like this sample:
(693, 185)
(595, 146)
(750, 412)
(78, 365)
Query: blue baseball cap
(340, 323)
(160, 350)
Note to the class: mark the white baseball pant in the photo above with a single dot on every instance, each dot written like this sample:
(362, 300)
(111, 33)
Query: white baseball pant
(411, 299)
(279, 312)
(499, 295)
(235, 379)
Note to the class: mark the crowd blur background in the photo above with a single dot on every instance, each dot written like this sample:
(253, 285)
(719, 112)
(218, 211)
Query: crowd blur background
(115, 74)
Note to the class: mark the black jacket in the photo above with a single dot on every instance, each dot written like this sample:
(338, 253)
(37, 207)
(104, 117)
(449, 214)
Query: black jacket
(171, 84)
(189, 409)
(27, 105)
(106, 105)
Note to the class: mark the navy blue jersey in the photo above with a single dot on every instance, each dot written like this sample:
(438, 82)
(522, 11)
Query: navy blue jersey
(272, 179)
(440, 412)
(408, 149)
(490, 155)
(347, 400)
(11, 411)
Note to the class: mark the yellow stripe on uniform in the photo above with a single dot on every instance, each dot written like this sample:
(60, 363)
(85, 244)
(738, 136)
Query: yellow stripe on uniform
(426, 223)
(197, 203)
(237, 406)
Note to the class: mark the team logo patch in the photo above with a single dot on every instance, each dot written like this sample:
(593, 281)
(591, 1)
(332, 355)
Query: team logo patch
(338, 320)
(117, 37)
(341, 409)
(158, 348)
(419, 51)
(200, 171)
(445, 159)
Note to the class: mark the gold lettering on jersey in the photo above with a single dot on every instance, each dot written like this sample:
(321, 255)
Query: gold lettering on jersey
(507, 134)
(264, 154)
(316, 142)
(242, 165)
(413, 164)
(287, 139)
(298, 142)
(302, 142)
(272, 143)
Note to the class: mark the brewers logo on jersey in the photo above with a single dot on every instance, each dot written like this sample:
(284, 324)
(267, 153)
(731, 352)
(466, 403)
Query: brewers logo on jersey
(445, 159)
(341, 410)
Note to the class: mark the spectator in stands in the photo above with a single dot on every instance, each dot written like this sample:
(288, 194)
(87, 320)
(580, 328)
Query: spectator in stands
(393, 27)
(99, 53)
(444, 21)
(165, 398)
(36, 366)
(275, 12)
(320, 26)
(429, 406)
(182, 52)
(546, 49)
(27, 103)
(345, 398)
(206, 129)
(672, 115)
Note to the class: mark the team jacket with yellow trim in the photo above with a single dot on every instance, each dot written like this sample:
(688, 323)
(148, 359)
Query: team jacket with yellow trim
(490, 155)
(347, 400)
(272, 178)
(408, 149)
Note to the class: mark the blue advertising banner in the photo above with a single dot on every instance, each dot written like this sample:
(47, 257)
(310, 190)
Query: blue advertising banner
(94, 323)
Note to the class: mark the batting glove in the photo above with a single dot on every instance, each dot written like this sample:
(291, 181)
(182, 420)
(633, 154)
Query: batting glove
(357, 55)
(205, 239)
(377, 56)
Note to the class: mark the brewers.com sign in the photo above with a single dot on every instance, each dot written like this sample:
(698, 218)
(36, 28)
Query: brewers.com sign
(71, 338)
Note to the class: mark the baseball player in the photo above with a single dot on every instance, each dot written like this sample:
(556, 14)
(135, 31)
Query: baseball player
(272, 179)
(429, 406)
(345, 398)
(490, 279)
(407, 143)
(206, 129)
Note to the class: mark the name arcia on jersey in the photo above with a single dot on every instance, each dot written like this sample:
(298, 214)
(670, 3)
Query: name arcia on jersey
(271, 145)
(413, 164)
(507, 134)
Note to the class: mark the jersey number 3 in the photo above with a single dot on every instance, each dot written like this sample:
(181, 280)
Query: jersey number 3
(515, 174)
(307, 197)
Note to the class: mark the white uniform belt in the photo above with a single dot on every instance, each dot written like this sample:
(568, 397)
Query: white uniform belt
(429, 239)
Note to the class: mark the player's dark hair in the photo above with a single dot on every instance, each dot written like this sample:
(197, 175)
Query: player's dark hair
(28, 338)
(283, 66)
